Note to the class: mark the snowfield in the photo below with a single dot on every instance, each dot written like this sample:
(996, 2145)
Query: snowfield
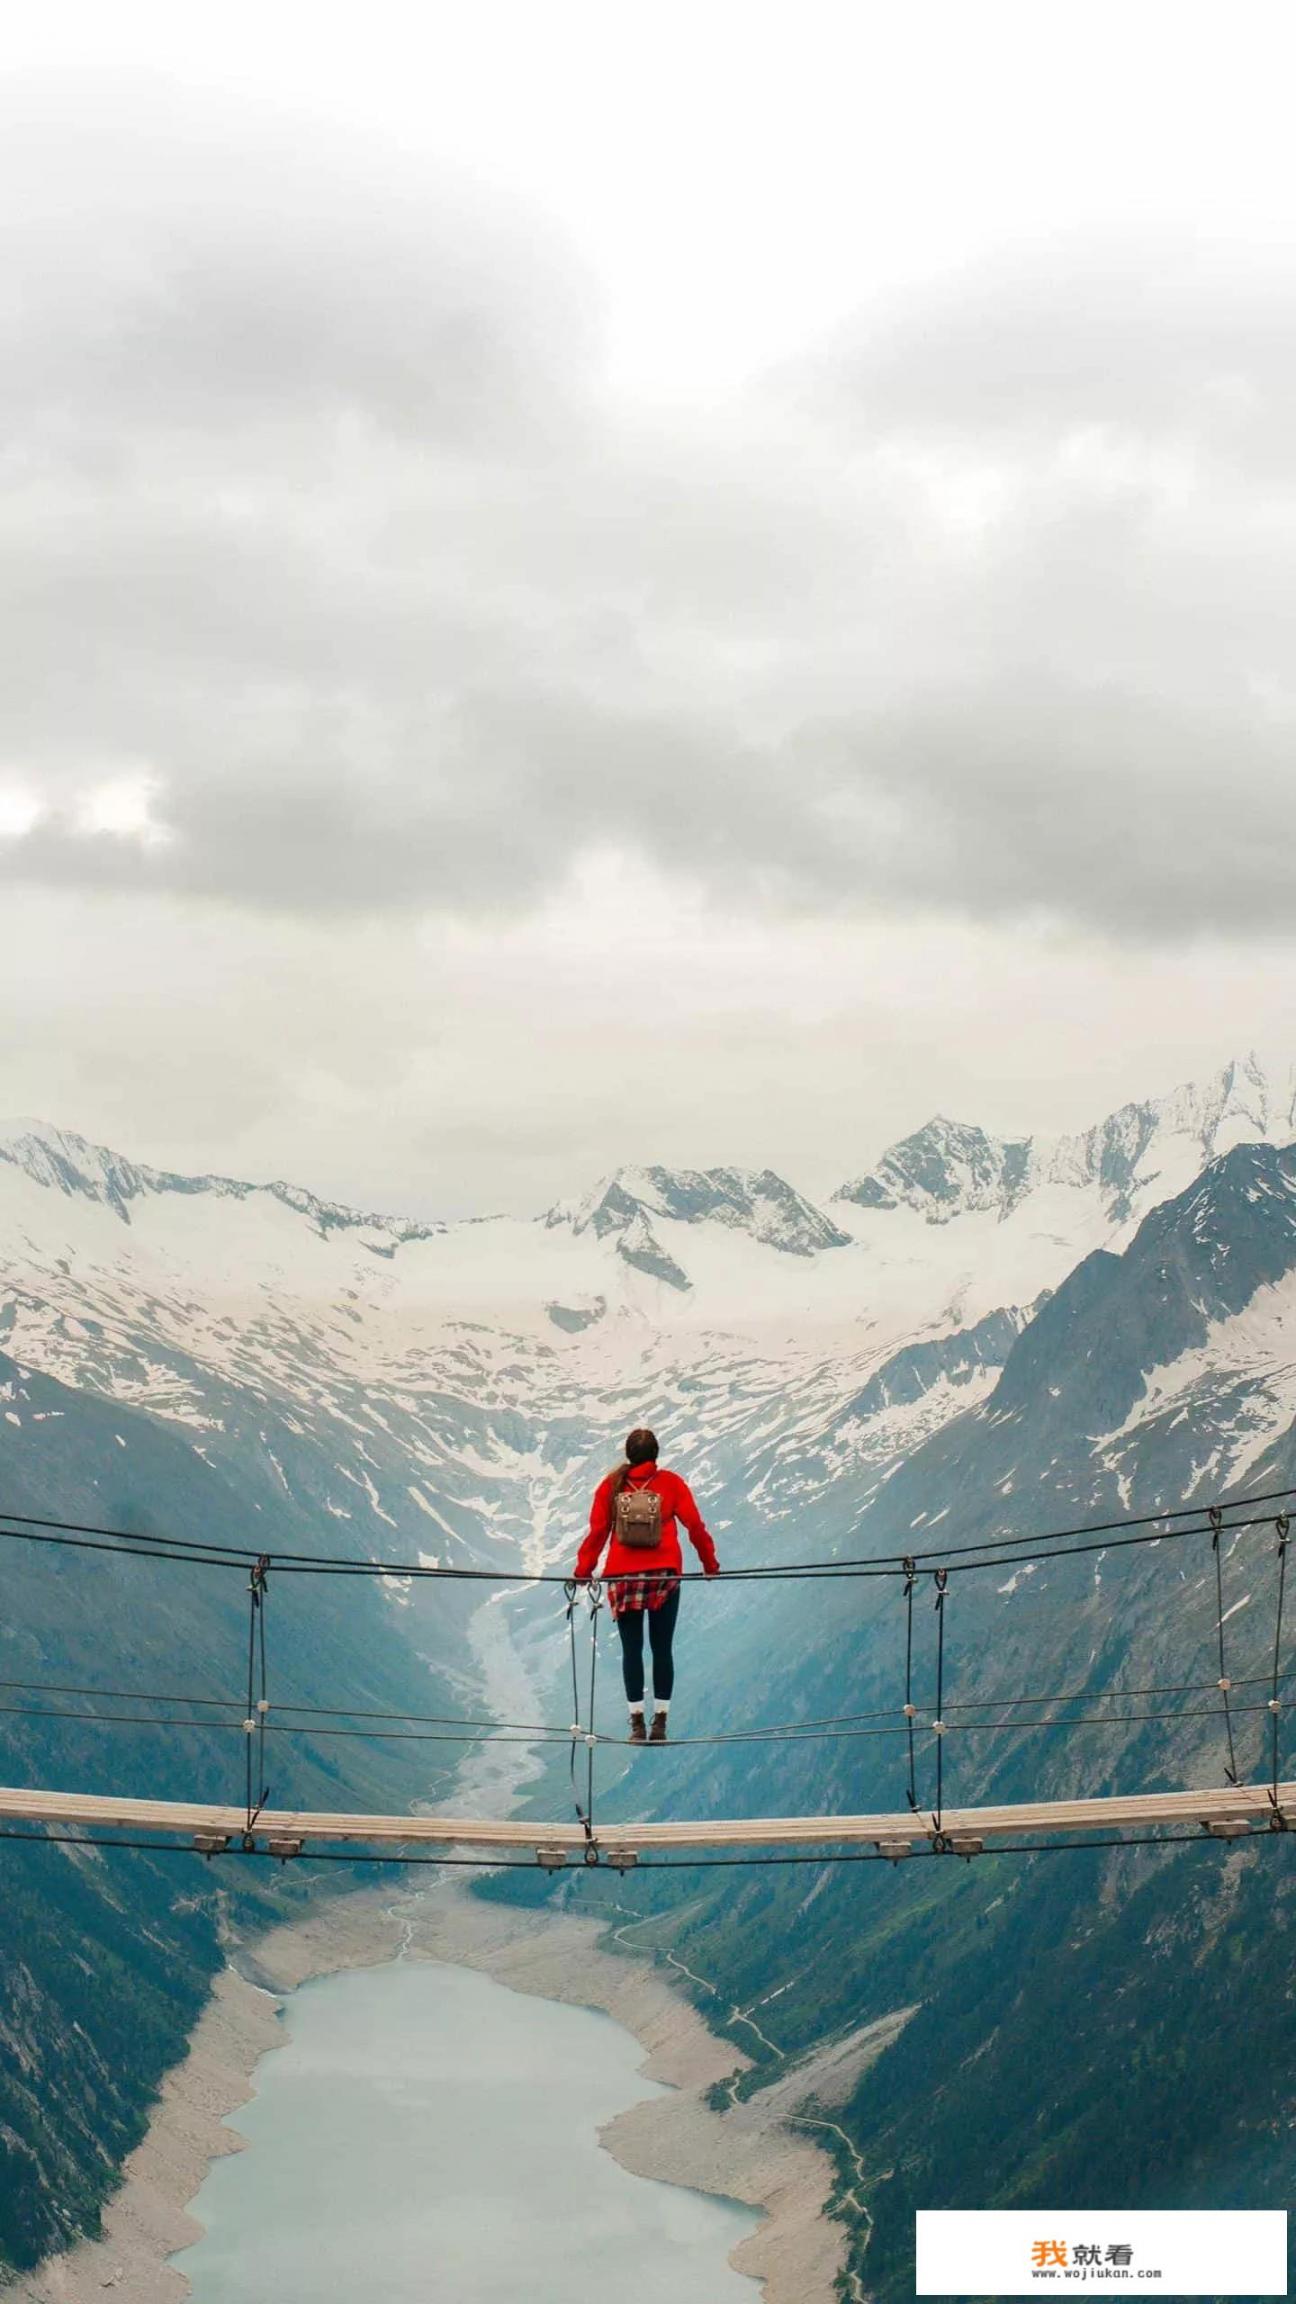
(467, 1374)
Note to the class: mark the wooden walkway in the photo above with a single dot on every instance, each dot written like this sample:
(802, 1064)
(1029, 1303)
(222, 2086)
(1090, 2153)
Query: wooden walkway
(1231, 1810)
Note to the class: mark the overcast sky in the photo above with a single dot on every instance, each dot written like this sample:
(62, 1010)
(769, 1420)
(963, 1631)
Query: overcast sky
(693, 583)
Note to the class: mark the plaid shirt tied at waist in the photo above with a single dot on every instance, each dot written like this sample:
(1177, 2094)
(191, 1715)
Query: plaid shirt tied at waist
(648, 1590)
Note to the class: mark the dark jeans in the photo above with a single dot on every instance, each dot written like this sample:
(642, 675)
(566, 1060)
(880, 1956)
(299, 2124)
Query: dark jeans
(661, 1632)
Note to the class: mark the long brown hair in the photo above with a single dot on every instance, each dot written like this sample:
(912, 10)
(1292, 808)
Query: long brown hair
(640, 1448)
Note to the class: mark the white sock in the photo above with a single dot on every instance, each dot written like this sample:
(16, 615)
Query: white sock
(637, 1708)
(662, 1703)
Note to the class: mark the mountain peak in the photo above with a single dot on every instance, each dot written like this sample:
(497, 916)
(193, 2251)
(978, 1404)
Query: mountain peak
(62, 1161)
(755, 1201)
(946, 1168)
(1139, 1153)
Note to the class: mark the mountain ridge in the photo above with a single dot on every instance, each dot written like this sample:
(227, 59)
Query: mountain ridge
(949, 1167)
(62, 1159)
(969, 1169)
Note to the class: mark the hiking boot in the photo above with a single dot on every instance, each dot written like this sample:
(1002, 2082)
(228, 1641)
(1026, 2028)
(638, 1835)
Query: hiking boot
(638, 1733)
(658, 1735)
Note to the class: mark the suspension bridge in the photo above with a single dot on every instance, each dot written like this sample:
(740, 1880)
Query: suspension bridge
(1225, 1812)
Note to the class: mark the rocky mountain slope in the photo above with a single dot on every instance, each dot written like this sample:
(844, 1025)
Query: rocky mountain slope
(1092, 2024)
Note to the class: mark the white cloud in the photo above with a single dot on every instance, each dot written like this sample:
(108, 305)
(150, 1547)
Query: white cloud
(20, 810)
(121, 807)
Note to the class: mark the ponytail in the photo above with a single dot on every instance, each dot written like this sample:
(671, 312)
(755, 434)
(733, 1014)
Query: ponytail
(640, 1448)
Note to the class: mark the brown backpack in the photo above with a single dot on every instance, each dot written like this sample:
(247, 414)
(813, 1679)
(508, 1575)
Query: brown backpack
(636, 1519)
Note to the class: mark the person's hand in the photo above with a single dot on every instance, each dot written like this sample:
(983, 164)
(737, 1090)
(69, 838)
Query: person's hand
(714, 1571)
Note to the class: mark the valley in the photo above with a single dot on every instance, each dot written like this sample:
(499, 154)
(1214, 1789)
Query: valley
(991, 1338)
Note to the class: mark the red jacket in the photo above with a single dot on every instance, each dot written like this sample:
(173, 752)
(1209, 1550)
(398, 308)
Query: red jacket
(627, 1560)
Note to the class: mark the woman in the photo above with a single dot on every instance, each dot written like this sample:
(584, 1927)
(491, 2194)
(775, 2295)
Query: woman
(637, 1507)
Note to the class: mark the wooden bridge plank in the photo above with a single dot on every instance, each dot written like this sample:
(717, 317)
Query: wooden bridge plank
(109, 1811)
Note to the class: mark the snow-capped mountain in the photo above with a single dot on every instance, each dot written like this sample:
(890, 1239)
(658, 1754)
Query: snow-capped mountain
(413, 1375)
(623, 1208)
(56, 1156)
(446, 1388)
(1137, 1156)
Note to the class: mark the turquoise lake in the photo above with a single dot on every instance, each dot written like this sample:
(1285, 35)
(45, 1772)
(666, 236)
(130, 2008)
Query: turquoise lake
(426, 2136)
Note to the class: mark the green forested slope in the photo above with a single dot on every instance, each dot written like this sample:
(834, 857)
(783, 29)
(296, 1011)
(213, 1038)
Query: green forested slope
(105, 1960)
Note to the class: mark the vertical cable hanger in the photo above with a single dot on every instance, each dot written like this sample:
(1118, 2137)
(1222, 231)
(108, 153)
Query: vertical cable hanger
(1224, 1684)
(582, 1732)
(258, 1704)
(595, 1604)
(1283, 1526)
(910, 1708)
(941, 1581)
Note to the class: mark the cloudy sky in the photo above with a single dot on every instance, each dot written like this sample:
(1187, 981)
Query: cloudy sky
(691, 583)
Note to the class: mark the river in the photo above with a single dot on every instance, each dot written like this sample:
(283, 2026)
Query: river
(427, 2136)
